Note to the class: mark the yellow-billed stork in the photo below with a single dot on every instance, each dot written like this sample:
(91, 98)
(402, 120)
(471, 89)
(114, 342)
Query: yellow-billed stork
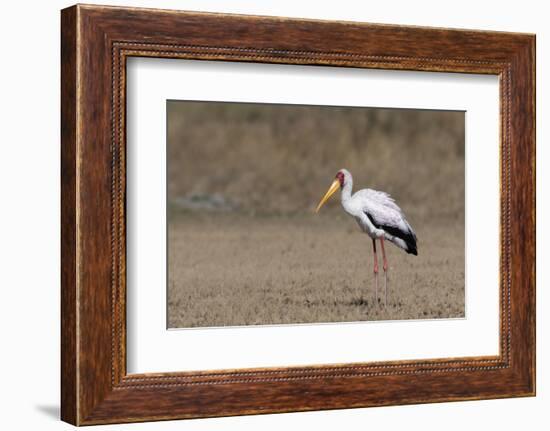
(378, 216)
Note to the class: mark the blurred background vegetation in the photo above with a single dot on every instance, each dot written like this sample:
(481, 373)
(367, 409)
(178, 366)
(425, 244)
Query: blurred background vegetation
(261, 159)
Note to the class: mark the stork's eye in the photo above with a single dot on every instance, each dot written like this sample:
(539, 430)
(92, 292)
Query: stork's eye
(340, 177)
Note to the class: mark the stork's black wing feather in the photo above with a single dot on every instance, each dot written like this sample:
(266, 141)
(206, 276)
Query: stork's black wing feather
(385, 214)
(407, 235)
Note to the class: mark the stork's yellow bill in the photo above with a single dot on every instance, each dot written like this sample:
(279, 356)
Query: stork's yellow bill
(332, 189)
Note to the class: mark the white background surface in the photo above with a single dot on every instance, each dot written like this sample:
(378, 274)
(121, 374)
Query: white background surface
(151, 348)
(29, 216)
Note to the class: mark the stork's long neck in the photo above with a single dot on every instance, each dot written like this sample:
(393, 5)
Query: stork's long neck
(346, 190)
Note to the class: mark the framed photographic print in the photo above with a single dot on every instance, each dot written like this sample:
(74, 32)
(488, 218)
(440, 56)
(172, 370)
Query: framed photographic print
(265, 215)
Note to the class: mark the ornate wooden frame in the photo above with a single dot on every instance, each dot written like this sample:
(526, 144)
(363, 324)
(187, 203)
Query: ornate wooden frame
(95, 43)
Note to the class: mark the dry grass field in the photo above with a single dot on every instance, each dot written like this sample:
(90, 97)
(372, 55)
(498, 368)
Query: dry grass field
(244, 245)
(238, 270)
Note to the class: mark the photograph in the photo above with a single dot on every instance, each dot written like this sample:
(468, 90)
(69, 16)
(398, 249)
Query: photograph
(298, 214)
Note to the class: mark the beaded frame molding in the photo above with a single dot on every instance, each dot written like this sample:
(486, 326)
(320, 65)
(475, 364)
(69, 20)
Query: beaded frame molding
(95, 43)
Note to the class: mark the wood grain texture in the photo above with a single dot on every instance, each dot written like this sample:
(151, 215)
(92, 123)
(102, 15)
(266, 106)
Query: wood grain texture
(96, 41)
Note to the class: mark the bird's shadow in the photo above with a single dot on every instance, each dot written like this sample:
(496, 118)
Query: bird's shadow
(50, 410)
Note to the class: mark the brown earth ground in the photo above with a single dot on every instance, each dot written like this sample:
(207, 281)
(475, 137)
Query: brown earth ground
(230, 270)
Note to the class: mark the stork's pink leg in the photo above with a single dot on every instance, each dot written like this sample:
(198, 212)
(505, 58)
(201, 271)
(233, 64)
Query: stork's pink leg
(385, 267)
(375, 271)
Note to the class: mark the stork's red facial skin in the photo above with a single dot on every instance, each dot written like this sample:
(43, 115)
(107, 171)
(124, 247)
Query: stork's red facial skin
(340, 177)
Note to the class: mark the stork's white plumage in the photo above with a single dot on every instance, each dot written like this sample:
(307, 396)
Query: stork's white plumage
(378, 216)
